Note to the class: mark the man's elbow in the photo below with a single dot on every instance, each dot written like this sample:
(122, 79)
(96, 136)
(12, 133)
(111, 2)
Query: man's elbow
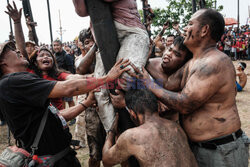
(81, 13)
(106, 161)
(80, 8)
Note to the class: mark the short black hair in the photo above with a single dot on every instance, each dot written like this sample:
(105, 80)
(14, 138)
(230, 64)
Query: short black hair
(243, 64)
(85, 34)
(141, 100)
(178, 41)
(170, 35)
(215, 21)
(57, 41)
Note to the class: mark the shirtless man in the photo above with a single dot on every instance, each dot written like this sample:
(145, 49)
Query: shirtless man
(242, 76)
(160, 69)
(154, 142)
(207, 102)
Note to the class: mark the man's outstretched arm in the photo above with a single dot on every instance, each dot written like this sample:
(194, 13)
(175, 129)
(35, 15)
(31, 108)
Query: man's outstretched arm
(80, 86)
(83, 63)
(72, 112)
(202, 85)
(16, 17)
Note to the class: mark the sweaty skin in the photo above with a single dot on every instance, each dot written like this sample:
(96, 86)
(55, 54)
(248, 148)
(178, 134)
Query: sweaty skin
(157, 142)
(207, 100)
(212, 100)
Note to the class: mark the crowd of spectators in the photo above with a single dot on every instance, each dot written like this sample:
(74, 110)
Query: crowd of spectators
(235, 43)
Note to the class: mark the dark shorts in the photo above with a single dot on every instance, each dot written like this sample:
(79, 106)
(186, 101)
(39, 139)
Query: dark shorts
(68, 160)
(95, 134)
(239, 88)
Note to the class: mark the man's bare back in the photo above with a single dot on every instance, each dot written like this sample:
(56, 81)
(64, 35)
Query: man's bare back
(218, 116)
(159, 142)
(155, 142)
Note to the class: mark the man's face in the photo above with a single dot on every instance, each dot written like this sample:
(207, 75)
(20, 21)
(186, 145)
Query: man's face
(169, 41)
(192, 31)
(14, 59)
(44, 61)
(57, 47)
(29, 48)
(67, 49)
(173, 59)
(88, 43)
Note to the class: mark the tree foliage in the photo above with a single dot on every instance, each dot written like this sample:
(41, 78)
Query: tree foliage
(176, 11)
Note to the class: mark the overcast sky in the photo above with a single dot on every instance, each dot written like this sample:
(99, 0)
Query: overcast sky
(72, 23)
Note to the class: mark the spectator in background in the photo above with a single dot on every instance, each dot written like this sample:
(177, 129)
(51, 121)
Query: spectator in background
(159, 44)
(227, 46)
(30, 47)
(241, 76)
(64, 62)
(233, 50)
(169, 41)
(220, 46)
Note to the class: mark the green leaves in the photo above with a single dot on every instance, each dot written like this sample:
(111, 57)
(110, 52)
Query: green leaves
(177, 10)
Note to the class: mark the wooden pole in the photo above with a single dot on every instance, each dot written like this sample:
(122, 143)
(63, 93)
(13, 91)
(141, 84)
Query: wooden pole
(193, 6)
(105, 31)
(50, 25)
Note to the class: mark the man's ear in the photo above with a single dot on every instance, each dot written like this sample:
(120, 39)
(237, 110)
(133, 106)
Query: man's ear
(205, 30)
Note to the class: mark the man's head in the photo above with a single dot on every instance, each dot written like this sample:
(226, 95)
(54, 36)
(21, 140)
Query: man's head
(11, 60)
(140, 101)
(57, 46)
(205, 24)
(176, 56)
(169, 40)
(67, 49)
(30, 47)
(86, 40)
(241, 66)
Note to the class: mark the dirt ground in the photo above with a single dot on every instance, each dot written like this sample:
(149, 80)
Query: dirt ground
(243, 104)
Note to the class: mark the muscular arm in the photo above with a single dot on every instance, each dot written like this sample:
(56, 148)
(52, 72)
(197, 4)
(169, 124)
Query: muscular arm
(77, 76)
(76, 87)
(118, 153)
(201, 86)
(86, 61)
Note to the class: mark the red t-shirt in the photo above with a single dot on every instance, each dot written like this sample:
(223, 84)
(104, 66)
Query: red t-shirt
(57, 102)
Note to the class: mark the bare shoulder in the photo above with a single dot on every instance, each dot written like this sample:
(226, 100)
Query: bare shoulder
(213, 64)
(153, 63)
